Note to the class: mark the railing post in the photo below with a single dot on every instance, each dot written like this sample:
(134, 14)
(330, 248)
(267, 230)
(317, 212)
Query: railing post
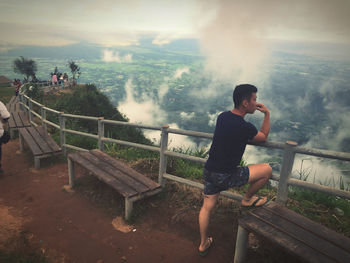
(43, 118)
(101, 133)
(162, 160)
(20, 101)
(30, 104)
(286, 170)
(62, 133)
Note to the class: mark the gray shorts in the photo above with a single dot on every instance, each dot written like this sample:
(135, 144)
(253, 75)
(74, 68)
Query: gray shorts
(216, 182)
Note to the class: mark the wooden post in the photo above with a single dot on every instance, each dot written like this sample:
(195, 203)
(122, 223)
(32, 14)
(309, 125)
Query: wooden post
(101, 134)
(62, 133)
(43, 118)
(241, 245)
(21, 142)
(36, 162)
(163, 148)
(71, 172)
(128, 208)
(30, 111)
(20, 101)
(287, 165)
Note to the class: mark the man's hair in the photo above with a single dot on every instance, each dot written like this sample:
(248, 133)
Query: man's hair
(243, 92)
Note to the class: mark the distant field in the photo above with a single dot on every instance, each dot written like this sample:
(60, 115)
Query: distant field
(6, 93)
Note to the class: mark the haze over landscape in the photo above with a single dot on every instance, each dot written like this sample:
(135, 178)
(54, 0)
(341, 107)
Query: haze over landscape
(178, 62)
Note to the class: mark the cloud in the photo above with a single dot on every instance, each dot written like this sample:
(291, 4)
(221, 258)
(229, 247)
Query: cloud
(235, 39)
(212, 118)
(110, 56)
(187, 116)
(144, 110)
(180, 71)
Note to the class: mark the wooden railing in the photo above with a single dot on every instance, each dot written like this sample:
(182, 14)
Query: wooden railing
(290, 149)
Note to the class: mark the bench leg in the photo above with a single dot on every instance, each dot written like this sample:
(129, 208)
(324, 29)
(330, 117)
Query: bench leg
(71, 172)
(241, 245)
(21, 142)
(37, 162)
(128, 207)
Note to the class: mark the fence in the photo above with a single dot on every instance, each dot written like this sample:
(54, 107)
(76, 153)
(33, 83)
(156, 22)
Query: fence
(290, 149)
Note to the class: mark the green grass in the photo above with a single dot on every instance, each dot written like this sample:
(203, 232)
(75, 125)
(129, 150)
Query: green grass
(6, 93)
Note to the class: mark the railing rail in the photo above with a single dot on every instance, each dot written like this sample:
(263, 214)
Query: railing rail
(290, 149)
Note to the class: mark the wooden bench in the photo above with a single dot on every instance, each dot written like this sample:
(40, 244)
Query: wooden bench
(297, 234)
(18, 119)
(39, 142)
(128, 182)
(13, 104)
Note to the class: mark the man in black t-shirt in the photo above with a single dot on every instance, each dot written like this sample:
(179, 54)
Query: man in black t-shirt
(222, 170)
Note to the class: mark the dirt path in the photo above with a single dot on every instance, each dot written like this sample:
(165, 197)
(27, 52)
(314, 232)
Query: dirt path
(77, 231)
(74, 227)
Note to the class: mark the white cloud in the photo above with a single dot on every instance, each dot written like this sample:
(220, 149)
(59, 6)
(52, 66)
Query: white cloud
(113, 56)
(187, 116)
(180, 71)
(212, 118)
(145, 111)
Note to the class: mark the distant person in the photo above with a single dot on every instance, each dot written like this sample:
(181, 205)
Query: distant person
(61, 81)
(54, 79)
(65, 78)
(18, 87)
(222, 170)
(4, 135)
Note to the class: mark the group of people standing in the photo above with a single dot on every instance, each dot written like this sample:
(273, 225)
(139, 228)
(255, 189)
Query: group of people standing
(17, 83)
(59, 79)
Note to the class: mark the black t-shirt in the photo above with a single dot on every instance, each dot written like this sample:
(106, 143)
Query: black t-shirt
(231, 135)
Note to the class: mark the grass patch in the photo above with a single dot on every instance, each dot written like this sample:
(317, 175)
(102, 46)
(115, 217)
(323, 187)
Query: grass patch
(6, 92)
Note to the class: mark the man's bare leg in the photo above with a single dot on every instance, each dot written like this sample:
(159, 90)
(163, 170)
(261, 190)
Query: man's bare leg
(259, 174)
(204, 218)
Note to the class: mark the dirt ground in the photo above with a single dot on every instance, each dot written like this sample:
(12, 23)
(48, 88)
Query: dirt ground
(87, 225)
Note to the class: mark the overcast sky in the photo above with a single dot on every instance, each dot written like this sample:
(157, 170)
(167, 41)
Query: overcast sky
(123, 22)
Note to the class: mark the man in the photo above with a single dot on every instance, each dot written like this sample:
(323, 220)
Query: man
(4, 116)
(222, 170)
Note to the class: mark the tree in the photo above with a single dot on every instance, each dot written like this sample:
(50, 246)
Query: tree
(25, 66)
(74, 68)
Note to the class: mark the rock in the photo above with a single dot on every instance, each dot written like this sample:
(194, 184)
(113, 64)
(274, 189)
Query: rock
(68, 189)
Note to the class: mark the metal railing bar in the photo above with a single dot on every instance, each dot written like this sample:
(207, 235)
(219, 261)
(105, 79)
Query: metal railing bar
(51, 110)
(81, 133)
(132, 144)
(80, 117)
(52, 124)
(132, 124)
(75, 148)
(200, 186)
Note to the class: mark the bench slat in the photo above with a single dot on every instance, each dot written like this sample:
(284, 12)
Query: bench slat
(50, 142)
(126, 192)
(114, 172)
(17, 119)
(304, 236)
(39, 140)
(261, 228)
(319, 230)
(126, 169)
(30, 141)
(24, 118)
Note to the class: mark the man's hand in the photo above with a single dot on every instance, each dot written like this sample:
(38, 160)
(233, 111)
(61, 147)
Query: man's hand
(261, 107)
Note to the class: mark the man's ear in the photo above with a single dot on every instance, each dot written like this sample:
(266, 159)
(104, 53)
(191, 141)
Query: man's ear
(245, 103)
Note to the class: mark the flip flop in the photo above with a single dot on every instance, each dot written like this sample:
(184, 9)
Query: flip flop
(206, 251)
(254, 204)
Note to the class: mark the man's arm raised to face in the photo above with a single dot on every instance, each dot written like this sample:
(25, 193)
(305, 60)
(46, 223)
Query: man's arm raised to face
(262, 135)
